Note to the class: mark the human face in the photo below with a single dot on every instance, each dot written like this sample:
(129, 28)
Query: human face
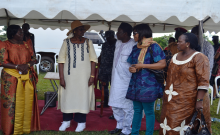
(79, 31)
(25, 28)
(136, 36)
(215, 41)
(120, 34)
(182, 44)
(19, 35)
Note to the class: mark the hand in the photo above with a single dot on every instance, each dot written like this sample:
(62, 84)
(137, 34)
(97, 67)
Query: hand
(62, 83)
(23, 68)
(199, 105)
(137, 66)
(132, 69)
(91, 81)
(25, 72)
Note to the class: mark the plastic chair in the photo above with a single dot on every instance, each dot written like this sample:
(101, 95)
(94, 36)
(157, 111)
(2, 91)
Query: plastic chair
(55, 64)
(217, 93)
(211, 88)
(99, 93)
(38, 56)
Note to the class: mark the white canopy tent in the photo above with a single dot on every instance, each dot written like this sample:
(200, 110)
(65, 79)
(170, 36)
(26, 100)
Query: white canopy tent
(162, 15)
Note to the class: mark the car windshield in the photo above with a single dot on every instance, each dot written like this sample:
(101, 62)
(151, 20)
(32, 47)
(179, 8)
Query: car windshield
(94, 37)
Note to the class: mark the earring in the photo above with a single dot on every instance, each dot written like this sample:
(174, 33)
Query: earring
(187, 46)
(74, 32)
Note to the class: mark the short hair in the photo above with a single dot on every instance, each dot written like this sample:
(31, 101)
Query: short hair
(110, 33)
(127, 28)
(12, 30)
(143, 30)
(172, 38)
(195, 30)
(26, 24)
(192, 39)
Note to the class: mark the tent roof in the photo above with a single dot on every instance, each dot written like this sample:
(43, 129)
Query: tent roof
(162, 15)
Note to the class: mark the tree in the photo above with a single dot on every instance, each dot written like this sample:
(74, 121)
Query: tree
(3, 36)
(163, 41)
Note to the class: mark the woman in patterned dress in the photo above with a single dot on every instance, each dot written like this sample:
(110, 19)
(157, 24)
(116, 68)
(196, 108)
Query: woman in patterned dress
(144, 89)
(186, 87)
(18, 56)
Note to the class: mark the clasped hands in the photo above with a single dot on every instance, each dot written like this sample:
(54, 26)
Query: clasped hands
(23, 68)
(135, 68)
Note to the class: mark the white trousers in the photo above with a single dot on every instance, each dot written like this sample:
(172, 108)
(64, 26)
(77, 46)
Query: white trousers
(124, 117)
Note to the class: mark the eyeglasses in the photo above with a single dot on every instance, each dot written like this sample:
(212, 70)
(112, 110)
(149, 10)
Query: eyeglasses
(134, 33)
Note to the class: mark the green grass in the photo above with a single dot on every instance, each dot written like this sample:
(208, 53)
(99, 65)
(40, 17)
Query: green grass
(45, 85)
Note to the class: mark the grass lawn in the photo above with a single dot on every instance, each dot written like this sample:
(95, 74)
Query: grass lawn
(44, 86)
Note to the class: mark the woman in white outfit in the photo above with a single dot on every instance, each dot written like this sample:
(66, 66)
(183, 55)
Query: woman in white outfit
(77, 60)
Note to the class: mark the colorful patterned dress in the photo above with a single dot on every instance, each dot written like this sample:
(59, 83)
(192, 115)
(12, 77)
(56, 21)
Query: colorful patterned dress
(16, 54)
(143, 85)
(184, 78)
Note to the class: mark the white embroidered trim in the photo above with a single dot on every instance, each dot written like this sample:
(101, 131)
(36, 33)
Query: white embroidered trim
(177, 62)
(170, 92)
(203, 87)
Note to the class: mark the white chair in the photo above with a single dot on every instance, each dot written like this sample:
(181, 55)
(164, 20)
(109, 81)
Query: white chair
(38, 56)
(55, 63)
(217, 93)
(211, 88)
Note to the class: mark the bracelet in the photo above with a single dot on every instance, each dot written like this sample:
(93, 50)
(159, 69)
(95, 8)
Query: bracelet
(199, 100)
(16, 66)
(29, 65)
(92, 76)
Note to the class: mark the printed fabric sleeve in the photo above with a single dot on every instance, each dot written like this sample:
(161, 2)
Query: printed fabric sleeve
(202, 71)
(30, 45)
(92, 54)
(158, 53)
(62, 53)
(4, 59)
(130, 57)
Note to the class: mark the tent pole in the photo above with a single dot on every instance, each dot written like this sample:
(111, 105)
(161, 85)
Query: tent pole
(201, 34)
(8, 18)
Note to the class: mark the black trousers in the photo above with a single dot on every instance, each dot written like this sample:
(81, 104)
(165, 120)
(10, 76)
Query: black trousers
(78, 117)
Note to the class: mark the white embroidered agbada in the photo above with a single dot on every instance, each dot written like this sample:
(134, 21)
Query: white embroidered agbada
(121, 75)
(77, 97)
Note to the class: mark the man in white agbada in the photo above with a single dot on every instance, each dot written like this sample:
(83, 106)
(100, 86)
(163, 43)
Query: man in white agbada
(76, 60)
(122, 107)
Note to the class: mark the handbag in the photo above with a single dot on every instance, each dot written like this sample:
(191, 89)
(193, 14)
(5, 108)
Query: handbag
(159, 74)
(194, 131)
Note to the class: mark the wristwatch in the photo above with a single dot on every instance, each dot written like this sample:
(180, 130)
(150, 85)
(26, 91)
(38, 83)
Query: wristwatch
(199, 99)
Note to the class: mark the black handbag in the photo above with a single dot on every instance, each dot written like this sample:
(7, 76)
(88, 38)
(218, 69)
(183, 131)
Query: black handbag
(195, 131)
(159, 74)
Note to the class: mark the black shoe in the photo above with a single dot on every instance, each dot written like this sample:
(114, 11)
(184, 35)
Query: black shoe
(122, 134)
(111, 117)
(116, 130)
(104, 106)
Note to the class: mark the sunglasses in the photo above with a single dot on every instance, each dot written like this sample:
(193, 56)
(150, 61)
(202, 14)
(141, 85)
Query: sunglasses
(134, 33)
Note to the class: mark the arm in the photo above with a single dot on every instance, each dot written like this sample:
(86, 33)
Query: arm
(202, 74)
(91, 79)
(156, 66)
(62, 81)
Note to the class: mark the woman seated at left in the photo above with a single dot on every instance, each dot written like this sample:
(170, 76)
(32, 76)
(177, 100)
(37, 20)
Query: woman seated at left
(19, 108)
